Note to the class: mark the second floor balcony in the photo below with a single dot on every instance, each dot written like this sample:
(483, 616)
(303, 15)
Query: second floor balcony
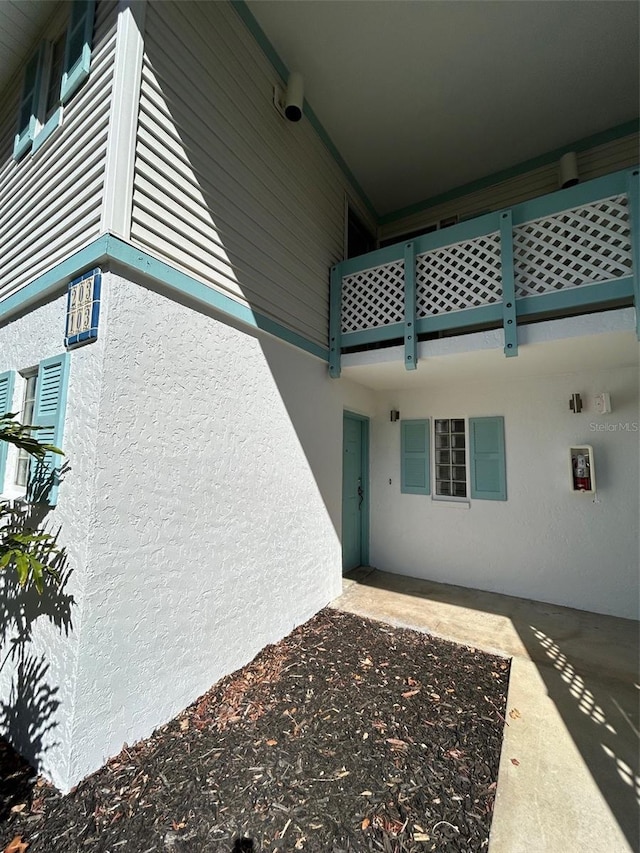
(572, 251)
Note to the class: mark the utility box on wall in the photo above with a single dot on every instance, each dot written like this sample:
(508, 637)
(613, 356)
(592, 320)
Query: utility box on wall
(582, 470)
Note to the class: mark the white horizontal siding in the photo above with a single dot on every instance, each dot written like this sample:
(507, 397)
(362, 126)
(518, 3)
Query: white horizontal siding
(224, 188)
(602, 160)
(50, 202)
(609, 157)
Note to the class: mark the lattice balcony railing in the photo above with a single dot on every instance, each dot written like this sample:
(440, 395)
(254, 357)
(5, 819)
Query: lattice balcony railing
(465, 275)
(585, 245)
(573, 248)
(373, 297)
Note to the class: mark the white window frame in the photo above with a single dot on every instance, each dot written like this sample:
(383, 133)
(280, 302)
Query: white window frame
(30, 373)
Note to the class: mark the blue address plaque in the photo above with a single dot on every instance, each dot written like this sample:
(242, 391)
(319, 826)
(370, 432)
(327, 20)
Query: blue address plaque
(83, 309)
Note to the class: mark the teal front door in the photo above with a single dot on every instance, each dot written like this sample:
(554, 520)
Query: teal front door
(355, 487)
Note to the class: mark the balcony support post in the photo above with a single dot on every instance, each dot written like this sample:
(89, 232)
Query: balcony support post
(335, 320)
(509, 323)
(410, 338)
(633, 193)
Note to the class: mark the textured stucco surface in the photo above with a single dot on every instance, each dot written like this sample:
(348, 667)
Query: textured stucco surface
(217, 512)
(544, 542)
(23, 343)
(201, 512)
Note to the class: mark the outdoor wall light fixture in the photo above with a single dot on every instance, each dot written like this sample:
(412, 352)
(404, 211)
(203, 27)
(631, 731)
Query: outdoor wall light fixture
(575, 403)
(394, 415)
(289, 103)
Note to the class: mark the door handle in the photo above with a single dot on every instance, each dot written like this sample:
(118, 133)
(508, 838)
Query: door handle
(360, 495)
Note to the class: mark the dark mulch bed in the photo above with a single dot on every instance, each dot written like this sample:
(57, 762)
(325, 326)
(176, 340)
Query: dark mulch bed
(348, 735)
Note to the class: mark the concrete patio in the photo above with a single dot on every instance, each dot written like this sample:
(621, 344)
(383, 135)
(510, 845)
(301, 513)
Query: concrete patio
(569, 778)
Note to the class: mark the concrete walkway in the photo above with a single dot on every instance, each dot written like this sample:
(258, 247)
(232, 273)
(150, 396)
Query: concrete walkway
(568, 779)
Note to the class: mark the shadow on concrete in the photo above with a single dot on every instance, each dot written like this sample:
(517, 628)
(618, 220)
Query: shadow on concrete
(600, 712)
(588, 662)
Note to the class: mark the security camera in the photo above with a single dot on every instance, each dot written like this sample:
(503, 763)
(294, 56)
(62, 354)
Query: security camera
(295, 97)
(289, 104)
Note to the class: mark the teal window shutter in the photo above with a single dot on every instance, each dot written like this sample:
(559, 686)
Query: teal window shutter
(6, 399)
(415, 474)
(488, 469)
(77, 52)
(48, 414)
(27, 115)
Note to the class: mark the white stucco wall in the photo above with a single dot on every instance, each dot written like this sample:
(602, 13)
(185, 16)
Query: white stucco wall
(544, 542)
(202, 508)
(218, 501)
(24, 342)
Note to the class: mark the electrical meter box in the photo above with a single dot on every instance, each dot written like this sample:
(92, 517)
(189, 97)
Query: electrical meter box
(583, 475)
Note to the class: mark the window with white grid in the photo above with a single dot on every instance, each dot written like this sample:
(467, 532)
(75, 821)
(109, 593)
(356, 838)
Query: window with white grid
(450, 454)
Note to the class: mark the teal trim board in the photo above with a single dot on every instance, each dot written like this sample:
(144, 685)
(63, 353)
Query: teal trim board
(55, 278)
(575, 297)
(634, 217)
(509, 323)
(109, 248)
(335, 322)
(372, 336)
(52, 124)
(283, 72)
(483, 314)
(581, 194)
(610, 135)
(410, 336)
(470, 229)
(182, 283)
(377, 258)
